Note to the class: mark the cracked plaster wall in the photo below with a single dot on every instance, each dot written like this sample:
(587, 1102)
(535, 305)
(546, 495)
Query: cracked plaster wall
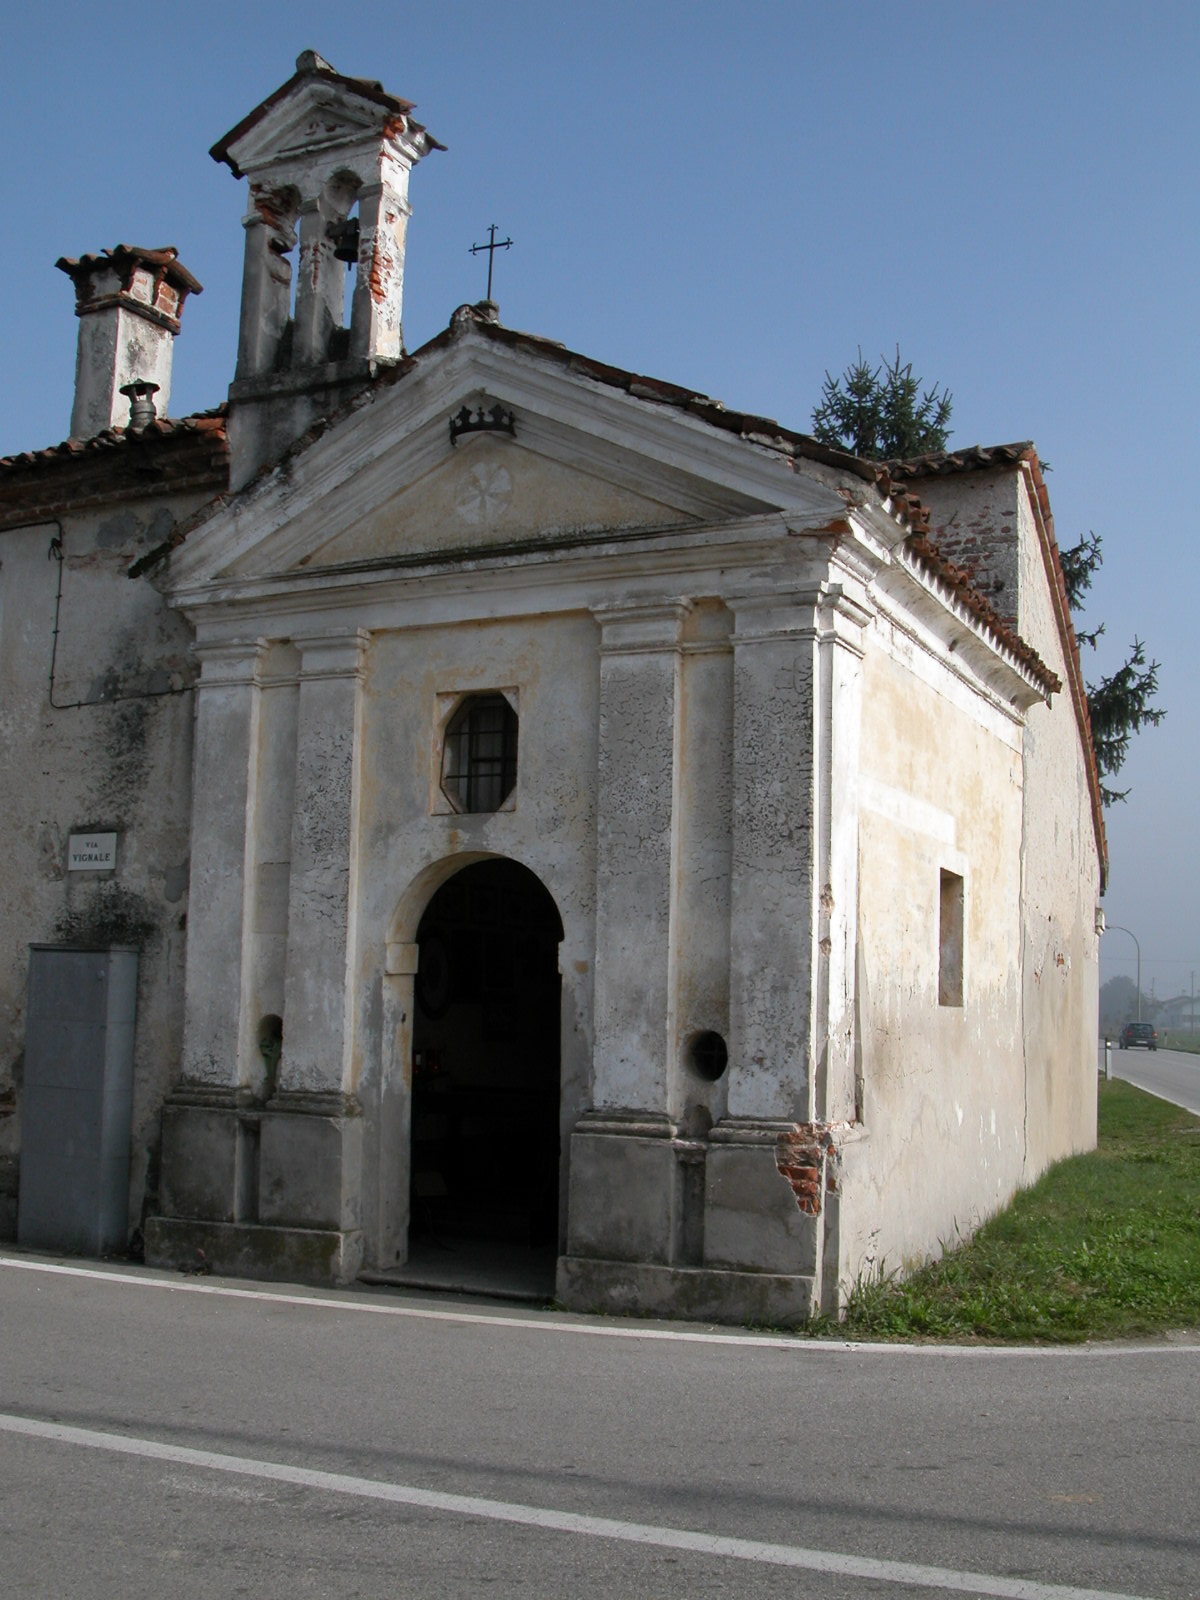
(122, 767)
(771, 945)
(634, 805)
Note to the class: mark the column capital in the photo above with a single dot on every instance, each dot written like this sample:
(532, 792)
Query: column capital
(775, 614)
(262, 213)
(820, 612)
(641, 627)
(225, 663)
(332, 655)
(380, 189)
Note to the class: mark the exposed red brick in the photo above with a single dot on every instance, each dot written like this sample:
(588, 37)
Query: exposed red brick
(802, 1156)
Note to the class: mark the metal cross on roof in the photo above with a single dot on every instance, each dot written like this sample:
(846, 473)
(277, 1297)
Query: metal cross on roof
(491, 247)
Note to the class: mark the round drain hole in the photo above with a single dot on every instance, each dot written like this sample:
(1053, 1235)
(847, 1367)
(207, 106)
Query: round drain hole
(709, 1056)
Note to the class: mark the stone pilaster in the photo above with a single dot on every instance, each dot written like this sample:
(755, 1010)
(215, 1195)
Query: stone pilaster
(639, 665)
(225, 766)
(269, 861)
(838, 724)
(623, 1168)
(768, 1205)
(772, 900)
(207, 1159)
(323, 876)
(310, 1162)
(700, 879)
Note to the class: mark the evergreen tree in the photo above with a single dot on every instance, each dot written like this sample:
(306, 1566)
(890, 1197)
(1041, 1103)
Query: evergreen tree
(881, 414)
(1120, 705)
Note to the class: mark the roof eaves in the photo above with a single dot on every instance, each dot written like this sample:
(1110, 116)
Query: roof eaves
(941, 463)
(203, 422)
(1044, 517)
(907, 509)
(1022, 454)
(184, 455)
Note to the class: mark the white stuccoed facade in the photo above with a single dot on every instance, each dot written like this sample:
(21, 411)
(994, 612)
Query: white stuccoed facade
(766, 739)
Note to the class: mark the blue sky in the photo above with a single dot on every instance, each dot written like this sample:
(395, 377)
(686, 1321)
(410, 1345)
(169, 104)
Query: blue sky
(733, 198)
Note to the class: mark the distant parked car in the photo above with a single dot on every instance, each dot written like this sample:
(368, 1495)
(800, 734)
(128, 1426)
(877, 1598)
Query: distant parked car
(1134, 1034)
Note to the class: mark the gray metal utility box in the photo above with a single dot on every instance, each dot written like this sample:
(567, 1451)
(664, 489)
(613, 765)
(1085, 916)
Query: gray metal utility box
(75, 1114)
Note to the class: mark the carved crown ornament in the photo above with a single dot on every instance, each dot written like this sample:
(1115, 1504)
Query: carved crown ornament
(483, 419)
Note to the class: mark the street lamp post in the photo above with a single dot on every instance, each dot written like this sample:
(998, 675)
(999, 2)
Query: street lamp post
(1119, 929)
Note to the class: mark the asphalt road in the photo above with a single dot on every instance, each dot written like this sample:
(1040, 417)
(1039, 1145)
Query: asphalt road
(1171, 1074)
(179, 1436)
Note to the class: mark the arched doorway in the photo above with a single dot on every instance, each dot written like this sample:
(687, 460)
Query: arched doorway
(486, 1072)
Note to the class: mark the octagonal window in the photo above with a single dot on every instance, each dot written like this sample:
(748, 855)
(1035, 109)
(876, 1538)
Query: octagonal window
(479, 754)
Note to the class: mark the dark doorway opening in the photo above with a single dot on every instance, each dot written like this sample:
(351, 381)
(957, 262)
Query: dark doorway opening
(486, 1071)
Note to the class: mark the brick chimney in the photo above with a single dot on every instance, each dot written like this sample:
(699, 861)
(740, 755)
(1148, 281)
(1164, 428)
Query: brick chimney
(128, 302)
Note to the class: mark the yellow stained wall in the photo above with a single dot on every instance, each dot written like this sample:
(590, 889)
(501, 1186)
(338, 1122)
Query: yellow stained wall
(1059, 893)
(943, 1093)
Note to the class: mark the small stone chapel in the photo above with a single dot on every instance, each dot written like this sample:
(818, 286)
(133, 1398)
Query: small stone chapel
(560, 823)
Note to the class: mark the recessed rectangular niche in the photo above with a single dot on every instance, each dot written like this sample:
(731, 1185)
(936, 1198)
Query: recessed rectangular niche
(950, 941)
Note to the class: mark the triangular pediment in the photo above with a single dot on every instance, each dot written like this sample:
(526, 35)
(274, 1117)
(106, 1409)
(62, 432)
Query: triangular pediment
(314, 114)
(494, 492)
(312, 119)
(391, 483)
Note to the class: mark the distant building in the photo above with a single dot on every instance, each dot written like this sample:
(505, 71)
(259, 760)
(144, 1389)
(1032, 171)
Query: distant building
(551, 810)
(1178, 1014)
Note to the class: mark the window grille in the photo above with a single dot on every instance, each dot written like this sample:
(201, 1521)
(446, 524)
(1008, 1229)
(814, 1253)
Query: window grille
(479, 757)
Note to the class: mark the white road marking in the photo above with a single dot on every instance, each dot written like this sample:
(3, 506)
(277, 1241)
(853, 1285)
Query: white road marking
(905, 1573)
(351, 1301)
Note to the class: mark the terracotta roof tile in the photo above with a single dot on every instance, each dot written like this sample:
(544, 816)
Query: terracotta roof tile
(170, 456)
(123, 257)
(210, 423)
(979, 458)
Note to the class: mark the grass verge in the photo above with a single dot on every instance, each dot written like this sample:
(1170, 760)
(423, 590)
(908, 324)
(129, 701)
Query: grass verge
(1104, 1245)
(1179, 1039)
